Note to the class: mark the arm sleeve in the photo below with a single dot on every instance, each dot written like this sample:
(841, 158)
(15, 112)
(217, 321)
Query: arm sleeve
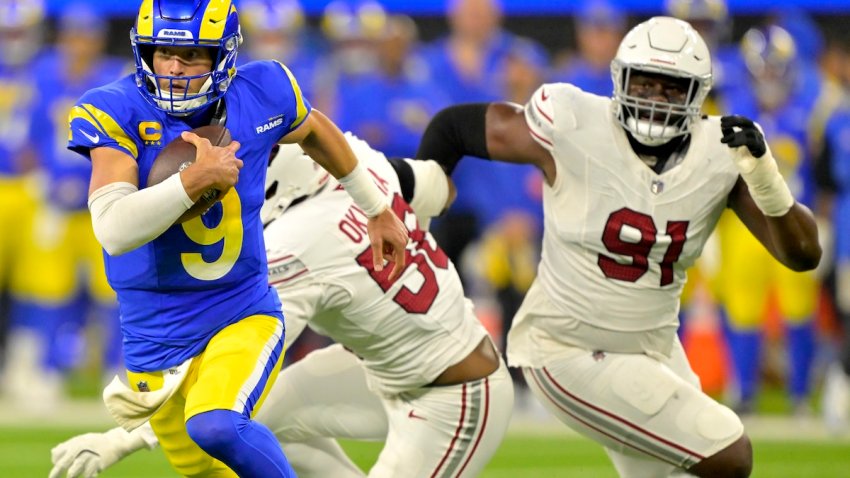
(455, 132)
(124, 217)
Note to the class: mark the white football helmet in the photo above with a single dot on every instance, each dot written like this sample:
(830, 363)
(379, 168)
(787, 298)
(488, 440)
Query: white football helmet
(291, 175)
(669, 47)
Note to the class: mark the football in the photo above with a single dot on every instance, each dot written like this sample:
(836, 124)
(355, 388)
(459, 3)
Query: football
(178, 155)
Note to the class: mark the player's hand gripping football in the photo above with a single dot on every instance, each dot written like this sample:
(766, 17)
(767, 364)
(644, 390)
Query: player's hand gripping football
(84, 456)
(217, 166)
(388, 236)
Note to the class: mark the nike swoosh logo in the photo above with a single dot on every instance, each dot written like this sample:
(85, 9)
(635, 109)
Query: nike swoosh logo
(214, 21)
(93, 139)
(543, 95)
(413, 415)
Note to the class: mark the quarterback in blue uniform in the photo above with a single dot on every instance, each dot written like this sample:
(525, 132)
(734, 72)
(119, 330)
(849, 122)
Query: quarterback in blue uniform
(194, 297)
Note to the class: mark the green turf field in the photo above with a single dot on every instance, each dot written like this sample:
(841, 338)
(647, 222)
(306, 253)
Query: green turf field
(25, 453)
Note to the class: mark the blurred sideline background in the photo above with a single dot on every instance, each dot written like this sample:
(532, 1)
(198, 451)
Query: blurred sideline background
(770, 343)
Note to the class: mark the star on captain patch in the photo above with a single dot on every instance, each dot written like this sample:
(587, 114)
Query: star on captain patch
(657, 187)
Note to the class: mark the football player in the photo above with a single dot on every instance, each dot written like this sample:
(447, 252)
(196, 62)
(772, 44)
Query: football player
(418, 370)
(203, 330)
(783, 103)
(634, 186)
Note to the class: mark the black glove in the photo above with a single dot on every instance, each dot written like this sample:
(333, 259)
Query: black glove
(747, 135)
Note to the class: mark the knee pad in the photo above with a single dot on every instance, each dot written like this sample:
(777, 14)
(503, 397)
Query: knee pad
(215, 431)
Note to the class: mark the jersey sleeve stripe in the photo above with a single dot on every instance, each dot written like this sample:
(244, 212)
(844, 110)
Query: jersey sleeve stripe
(287, 279)
(539, 137)
(301, 109)
(540, 110)
(212, 25)
(113, 130)
(77, 112)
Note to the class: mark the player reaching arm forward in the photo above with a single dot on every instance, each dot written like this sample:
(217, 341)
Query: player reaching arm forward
(194, 297)
(440, 396)
(634, 186)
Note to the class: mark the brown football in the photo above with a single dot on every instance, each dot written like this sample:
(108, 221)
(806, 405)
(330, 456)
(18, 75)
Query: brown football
(178, 155)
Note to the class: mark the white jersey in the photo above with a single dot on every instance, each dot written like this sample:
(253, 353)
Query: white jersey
(618, 237)
(320, 261)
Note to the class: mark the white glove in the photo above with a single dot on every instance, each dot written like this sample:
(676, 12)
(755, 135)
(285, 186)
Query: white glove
(84, 456)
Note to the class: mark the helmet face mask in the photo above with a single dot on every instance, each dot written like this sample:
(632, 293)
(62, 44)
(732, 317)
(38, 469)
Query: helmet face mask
(662, 75)
(291, 175)
(212, 24)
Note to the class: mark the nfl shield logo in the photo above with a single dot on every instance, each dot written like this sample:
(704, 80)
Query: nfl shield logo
(657, 187)
(143, 386)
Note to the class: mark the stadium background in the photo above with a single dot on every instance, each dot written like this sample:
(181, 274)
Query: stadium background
(787, 443)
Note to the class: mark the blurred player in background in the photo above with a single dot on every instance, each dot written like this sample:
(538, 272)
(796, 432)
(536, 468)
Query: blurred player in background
(782, 103)
(634, 186)
(277, 30)
(710, 18)
(836, 387)
(390, 106)
(65, 283)
(428, 380)
(20, 41)
(203, 331)
(353, 28)
(599, 27)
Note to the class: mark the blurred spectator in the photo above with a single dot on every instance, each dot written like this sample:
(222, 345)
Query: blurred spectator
(600, 27)
(353, 28)
(782, 103)
(525, 68)
(468, 64)
(276, 30)
(20, 41)
(468, 59)
(390, 106)
(65, 281)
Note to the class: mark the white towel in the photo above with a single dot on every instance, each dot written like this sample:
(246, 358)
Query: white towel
(132, 409)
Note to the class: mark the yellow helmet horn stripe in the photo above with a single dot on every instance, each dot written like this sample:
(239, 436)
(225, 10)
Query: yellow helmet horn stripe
(215, 18)
(144, 22)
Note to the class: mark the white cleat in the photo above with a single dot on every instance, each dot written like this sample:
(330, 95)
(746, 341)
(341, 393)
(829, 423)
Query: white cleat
(836, 399)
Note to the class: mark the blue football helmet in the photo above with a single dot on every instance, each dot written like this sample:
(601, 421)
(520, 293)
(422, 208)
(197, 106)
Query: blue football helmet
(773, 62)
(190, 23)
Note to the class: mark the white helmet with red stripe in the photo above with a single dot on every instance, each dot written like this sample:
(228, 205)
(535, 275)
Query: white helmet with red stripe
(671, 48)
(291, 175)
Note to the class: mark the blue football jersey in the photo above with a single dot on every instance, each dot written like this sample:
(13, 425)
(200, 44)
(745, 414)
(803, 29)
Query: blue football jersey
(17, 95)
(198, 277)
(837, 136)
